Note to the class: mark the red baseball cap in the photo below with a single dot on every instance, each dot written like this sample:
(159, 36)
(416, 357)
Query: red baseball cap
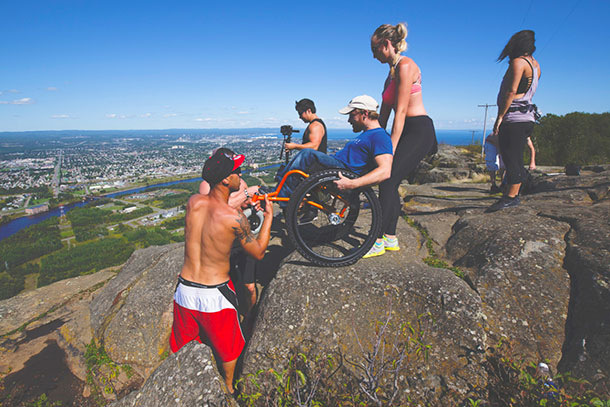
(220, 165)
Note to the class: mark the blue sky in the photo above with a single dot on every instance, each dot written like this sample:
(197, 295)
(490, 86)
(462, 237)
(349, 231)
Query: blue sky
(201, 64)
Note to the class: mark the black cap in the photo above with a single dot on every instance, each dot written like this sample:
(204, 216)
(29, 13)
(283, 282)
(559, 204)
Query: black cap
(220, 165)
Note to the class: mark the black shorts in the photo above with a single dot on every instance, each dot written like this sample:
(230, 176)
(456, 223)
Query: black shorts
(244, 265)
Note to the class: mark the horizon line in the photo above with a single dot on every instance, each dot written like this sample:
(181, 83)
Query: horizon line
(184, 129)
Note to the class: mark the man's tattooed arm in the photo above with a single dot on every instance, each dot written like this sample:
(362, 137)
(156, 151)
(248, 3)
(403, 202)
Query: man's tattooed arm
(243, 230)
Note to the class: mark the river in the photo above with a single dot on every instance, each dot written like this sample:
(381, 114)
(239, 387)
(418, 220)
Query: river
(16, 225)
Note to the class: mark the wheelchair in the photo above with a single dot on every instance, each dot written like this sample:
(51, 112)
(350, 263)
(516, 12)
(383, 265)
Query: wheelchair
(329, 227)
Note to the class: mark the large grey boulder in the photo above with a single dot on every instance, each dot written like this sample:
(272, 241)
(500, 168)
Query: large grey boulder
(516, 263)
(336, 310)
(186, 378)
(132, 314)
(450, 163)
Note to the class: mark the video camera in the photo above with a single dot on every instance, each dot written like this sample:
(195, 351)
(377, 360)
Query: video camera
(286, 131)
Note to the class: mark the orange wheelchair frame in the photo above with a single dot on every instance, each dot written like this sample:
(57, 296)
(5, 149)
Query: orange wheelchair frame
(338, 234)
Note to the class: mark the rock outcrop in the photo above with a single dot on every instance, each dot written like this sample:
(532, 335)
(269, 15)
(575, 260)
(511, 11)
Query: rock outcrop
(51, 322)
(516, 264)
(448, 164)
(342, 310)
(186, 378)
(131, 316)
(571, 329)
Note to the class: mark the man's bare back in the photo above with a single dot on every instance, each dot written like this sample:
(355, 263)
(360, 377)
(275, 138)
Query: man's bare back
(211, 227)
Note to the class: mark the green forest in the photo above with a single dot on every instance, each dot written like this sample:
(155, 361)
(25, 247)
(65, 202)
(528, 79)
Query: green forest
(22, 247)
(575, 138)
(38, 250)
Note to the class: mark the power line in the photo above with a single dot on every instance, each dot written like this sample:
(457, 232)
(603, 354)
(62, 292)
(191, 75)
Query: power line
(527, 12)
(560, 26)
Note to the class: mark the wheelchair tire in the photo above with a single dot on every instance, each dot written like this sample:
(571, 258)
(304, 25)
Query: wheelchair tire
(342, 231)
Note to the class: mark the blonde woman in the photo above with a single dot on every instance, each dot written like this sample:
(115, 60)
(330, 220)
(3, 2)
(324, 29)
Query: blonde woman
(413, 136)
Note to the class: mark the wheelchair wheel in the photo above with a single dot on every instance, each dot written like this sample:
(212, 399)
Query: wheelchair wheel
(331, 227)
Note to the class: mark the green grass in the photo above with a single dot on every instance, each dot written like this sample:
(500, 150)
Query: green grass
(250, 180)
(433, 259)
(66, 233)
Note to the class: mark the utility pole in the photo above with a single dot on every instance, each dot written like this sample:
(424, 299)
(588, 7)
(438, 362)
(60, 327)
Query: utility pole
(486, 106)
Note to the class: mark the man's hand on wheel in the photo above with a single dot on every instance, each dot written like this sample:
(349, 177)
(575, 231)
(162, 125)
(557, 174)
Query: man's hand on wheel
(344, 183)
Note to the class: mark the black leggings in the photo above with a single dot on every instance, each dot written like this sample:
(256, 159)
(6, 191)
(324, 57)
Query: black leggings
(417, 139)
(512, 138)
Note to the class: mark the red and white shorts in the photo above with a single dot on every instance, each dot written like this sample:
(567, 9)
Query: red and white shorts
(209, 315)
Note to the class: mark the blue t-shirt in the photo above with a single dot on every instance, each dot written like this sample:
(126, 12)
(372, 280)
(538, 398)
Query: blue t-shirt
(359, 154)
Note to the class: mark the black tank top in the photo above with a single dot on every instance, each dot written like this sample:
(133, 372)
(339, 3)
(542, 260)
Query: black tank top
(323, 144)
(525, 82)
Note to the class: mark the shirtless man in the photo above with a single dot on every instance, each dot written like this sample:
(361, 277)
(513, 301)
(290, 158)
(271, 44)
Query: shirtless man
(245, 264)
(205, 303)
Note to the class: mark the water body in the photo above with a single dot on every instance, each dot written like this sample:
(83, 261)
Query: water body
(451, 137)
(142, 189)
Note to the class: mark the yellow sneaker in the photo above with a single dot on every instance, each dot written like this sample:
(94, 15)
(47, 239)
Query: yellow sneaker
(377, 250)
(391, 244)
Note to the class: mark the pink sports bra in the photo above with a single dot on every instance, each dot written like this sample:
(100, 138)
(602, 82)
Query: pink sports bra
(389, 93)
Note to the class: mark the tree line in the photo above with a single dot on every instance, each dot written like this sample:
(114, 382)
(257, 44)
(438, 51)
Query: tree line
(575, 138)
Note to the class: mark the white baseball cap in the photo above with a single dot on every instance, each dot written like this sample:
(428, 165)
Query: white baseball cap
(364, 102)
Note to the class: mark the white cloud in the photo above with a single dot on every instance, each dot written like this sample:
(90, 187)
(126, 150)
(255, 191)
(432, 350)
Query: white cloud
(3, 102)
(170, 115)
(118, 116)
(52, 88)
(13, 91)
(23, 101)
(243, 112)
(203, 119)
(146, 115)
(60, 116)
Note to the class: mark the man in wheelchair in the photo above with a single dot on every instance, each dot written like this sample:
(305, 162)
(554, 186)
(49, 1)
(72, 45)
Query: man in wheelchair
(369, 155)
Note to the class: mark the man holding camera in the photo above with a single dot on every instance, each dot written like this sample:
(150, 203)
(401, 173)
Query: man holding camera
(315, 133)
(244, 264)
(369, 155)
(205, 302)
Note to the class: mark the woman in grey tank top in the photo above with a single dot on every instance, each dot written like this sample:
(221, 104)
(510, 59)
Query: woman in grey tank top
(515, 120)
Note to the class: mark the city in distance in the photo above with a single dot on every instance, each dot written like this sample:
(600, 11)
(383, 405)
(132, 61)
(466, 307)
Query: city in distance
(89, 162)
